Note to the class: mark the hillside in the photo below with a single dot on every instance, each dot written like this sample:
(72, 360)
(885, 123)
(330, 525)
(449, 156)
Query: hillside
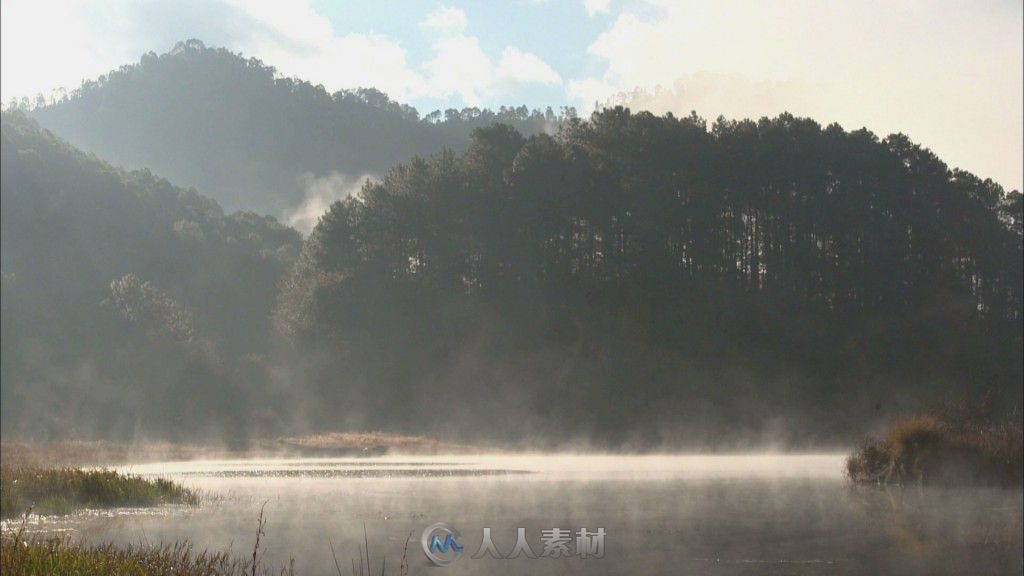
(120, 289)
(251, 139)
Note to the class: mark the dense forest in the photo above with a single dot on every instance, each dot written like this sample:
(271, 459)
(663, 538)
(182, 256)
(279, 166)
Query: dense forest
(249, 138)
(623, 280)
(642, 278)
(129, 305)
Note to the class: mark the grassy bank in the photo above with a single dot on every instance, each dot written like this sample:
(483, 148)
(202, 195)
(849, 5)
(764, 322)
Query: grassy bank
(61, 557)
(64, 490)
(958, 444)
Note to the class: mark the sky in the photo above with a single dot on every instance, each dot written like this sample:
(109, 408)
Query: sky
(949, 74)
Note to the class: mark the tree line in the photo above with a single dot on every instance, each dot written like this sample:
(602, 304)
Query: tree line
(628, 280)
(643, 272)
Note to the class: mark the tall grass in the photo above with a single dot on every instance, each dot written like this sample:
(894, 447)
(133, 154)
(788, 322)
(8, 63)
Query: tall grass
(63, 557)
(958, 443)
(63, 490)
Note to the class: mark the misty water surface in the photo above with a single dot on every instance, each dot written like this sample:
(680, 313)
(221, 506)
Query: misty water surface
(662, 515)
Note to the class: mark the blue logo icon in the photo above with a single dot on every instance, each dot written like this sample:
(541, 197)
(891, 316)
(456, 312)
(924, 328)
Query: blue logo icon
(440, 544)
(436, 546)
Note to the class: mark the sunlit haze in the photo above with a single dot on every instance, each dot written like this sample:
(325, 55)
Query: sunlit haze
(949, 74)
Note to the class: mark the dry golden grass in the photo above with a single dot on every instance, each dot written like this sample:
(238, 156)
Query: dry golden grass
(914, 431)
(953, 445)
(373, 443)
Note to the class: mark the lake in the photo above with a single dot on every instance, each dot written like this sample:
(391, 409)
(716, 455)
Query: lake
(720, 514)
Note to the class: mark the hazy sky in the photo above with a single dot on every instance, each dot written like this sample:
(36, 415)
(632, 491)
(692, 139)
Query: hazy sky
(947, 73)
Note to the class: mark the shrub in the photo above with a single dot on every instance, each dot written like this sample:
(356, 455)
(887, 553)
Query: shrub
(953, 445)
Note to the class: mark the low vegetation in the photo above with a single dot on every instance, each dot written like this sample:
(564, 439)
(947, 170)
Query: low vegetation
(63, 556)
(959, 444)
(59, 557)
(64, 490)
(368, 443)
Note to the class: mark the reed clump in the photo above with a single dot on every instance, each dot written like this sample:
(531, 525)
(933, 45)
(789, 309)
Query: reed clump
(958, 444)
(64, 557)
(64, 490)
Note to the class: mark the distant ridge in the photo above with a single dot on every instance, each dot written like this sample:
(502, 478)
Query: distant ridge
(250, 138)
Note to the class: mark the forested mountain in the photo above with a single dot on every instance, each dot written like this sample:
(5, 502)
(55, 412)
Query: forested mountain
(128, 304)
(628, 279)
(655, 277)
(235, 129)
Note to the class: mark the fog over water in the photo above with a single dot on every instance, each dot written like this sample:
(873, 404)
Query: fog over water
(674, 290)
(709, 514)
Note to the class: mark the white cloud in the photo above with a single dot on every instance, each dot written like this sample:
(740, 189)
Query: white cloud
(299, 42)
(595, 7)
(948, 74)
(459, 67)
(65, 55)
(349, 61)
(446, 19)
(462, 68)
(518, 67)
(589, 91)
